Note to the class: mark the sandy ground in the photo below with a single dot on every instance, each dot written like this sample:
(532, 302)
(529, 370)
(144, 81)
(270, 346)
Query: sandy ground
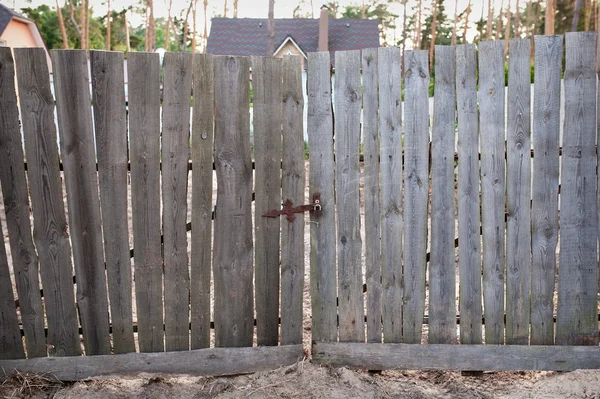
(307, 380)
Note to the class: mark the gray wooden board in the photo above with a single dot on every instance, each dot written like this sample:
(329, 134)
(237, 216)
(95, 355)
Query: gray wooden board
(110, 122)
(202, 177)
(16, 205)
(50, 233)
(456, 357)
(71, 86)
(416, 191)
(390, 133)
(518, 184)
(577, 312)
(199, 362)
(370, 137)
(322, 223)
(293, 181)
(177, 89)
(144, 132)
(491, 108)
(442, 274)
(544, 206)
(267, 114)
(232, 265)
(11, 345)
(469, 249)
(347, 111)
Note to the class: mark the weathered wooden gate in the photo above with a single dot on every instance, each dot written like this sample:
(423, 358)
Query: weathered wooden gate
(405, 295)
(118, 142)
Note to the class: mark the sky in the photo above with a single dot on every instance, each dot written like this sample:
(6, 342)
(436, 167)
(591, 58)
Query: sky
(257, 8)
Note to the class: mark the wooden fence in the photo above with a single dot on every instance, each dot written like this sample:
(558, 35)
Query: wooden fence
(456, 264)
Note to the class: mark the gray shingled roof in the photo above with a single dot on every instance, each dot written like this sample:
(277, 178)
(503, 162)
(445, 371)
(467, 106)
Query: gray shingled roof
(6, 14)
(248, 36)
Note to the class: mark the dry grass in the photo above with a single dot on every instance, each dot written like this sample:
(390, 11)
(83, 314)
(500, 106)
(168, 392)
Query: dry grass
(23, 385)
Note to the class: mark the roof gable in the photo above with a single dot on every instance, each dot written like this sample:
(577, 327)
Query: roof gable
(249, 36)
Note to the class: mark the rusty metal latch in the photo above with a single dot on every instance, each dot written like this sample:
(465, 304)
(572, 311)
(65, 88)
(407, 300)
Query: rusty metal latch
(290, 211)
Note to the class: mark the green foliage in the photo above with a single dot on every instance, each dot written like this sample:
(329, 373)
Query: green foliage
(376, 10)
(443, 28)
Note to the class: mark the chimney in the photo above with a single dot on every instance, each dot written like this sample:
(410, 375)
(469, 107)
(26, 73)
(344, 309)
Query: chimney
(324, 29)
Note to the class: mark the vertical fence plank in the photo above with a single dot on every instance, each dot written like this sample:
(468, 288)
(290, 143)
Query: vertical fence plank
(322, 224)
(442, 274)
(348, 107)
(416, 191)
(544, 206)
(491, 105)
(50, 226)
(391, 146)
(518, 181)
(143, 74)
(202, 175)
(469, 249)
(370, 135)
(16, 206)
(71, 85)
(267, 109)
(577, 312)
(177, 89)
(110, 123)
(11, 345)
(233, 269)
(292, 184)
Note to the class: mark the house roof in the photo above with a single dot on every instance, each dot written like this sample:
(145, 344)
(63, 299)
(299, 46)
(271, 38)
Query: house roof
(6, 14)
(249, 36)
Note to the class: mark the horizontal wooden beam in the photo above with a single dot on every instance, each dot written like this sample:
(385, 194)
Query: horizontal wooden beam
(199, 362)
(456, 357)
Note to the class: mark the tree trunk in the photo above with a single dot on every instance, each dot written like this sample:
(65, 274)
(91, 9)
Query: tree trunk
(507, 29)
(466, 27)
(418, 39)
(517, 21)
(490, 19)
(530, 28)
(150, 27)
(127, 45)
(587, 14)
(363, 13)
(108, 15)
(455, 23)
(205, 36)
(167, 29)
(225, 9)
(499, 24)
(235, 8)
(186, 27)
(82, 25)
(271, 24)
(404, 36)
(576, 13)
(61, 22)
(73, 20)
(433, 28)
(194, 30)
(549, 21)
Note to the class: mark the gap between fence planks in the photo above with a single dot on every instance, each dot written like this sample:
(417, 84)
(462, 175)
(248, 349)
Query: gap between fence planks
(390, 116)
(267, 114)
(370, 135)
(16, 206)
(144, 131)
(49, 221)
(202, 177)
(416, 191)
(200, 362)
(292, 183)
(576, 316)
(348, 105)
(469, 252)
(110, 122)
(442, 274)
(322, 223)
(232, 265)
(456, 357)
(518, 193)
(544, 204)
